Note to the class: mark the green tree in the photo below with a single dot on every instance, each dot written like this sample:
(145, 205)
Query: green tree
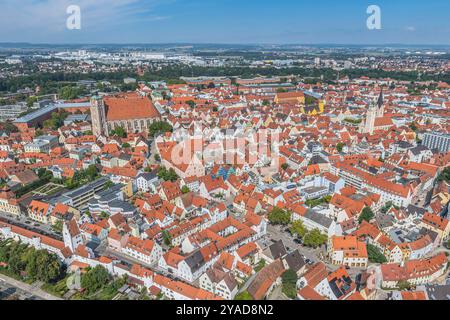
(315, 238)
(191, 104)
(70, 93)
(284, 166)
(298, 228)
(185, 189)
(119, 132)
(92, 172)
(95, 279)
(243, 296)
(159, 127)
(167, 175)
(261, 265)
(167, 238)
(279, 216)
(31, 100)
(403, 285)
(366, 215)
(445, 175)
(289, 283)
(340, 146)
(375, 255)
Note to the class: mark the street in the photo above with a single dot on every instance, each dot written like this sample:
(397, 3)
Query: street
(24, 290)
(26, 223)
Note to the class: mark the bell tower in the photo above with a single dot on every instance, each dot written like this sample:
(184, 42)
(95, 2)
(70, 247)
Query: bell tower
(380, 105)
(98, 116)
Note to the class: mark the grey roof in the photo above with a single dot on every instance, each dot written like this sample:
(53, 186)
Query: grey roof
(86, 188)
(437, 292)
(317, 160)
(404, 144)
(417, 150)
(295, 261)
(414, 210)
(195, 261)
(318, 218)
(148, 175)
(277, 250)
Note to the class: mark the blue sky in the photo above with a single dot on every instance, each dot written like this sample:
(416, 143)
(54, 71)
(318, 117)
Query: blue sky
(226, 21)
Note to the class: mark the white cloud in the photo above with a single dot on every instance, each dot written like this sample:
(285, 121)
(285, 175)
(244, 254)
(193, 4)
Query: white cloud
(22, 17)
(410, 28)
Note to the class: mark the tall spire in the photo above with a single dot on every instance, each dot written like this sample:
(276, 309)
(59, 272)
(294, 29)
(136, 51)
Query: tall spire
(380, 101)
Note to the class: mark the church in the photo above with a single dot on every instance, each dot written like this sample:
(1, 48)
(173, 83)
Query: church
(310, 103)
(375, 119)
(130, 111)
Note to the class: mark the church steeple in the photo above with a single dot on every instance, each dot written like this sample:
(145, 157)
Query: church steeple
(380, 101)
(380, 105)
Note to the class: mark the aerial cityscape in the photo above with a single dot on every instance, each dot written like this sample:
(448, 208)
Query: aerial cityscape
(219, 170)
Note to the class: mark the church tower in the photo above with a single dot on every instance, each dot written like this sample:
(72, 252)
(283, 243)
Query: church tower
(380, 105)
(371, 115)
(98, 117)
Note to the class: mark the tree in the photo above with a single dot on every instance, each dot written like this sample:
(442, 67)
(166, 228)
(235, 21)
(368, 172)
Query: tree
(56, 121)
(31, 100)
(298, 228)
(279, 216)
(289, 283)
(185, 189)
(375, 255)
(445, 175)
(167, 238)
(284, 166)
(261, 265)
(340, 147)
(191, 104)
(167, 175)
(315, 238)
(126, 145)
(403, 285)
(159, 127)
(244, 296)
(120, 132)
(92, 172)
(157, 157)
(366, 215)
(70, 93)
(95, 279)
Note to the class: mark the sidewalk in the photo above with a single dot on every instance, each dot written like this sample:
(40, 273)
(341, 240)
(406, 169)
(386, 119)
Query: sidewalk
(26, 287)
